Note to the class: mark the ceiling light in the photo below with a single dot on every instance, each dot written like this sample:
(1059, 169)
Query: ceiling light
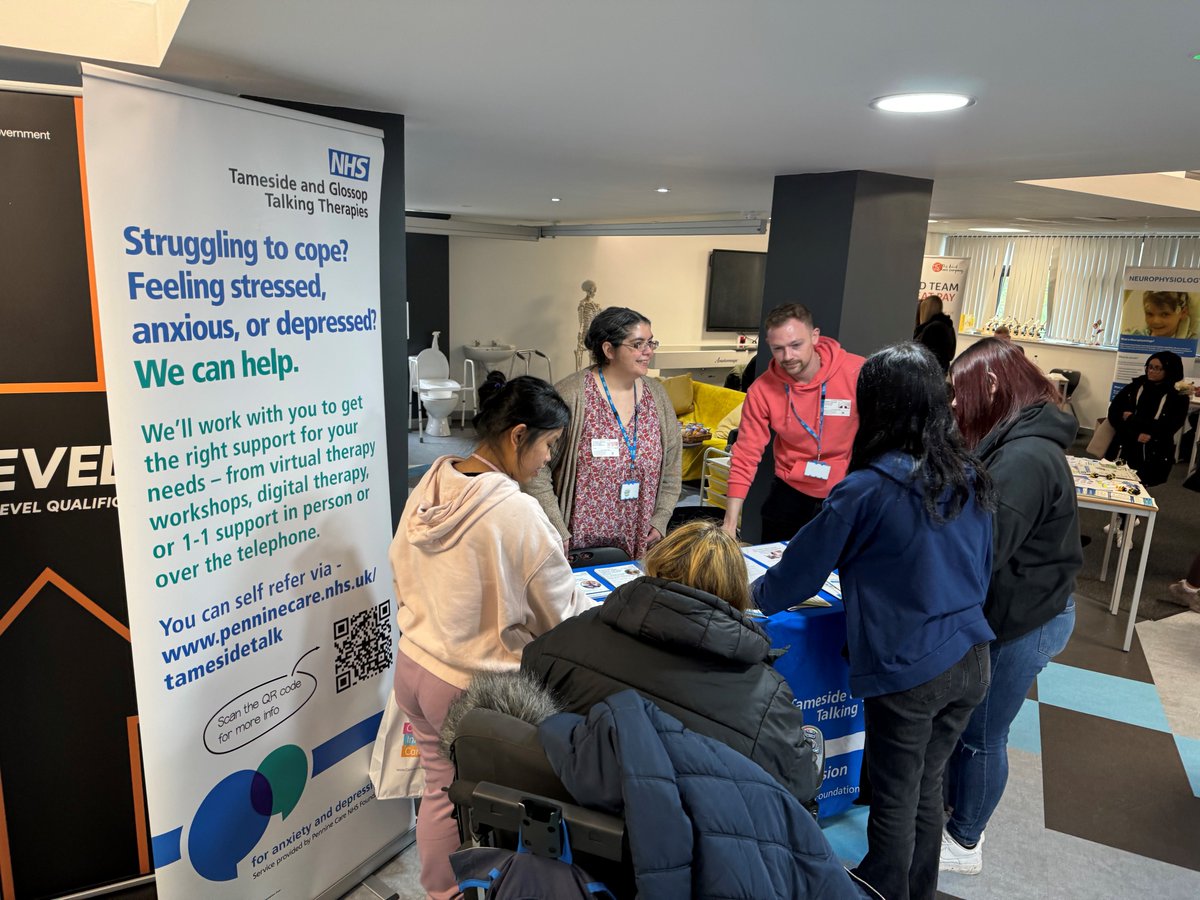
(698, 226)
(556, 199)
(934, 221)
(921, 103)
(1001, 230)
(663, 190)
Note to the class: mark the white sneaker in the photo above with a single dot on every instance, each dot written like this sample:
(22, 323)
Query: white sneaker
(957, 858)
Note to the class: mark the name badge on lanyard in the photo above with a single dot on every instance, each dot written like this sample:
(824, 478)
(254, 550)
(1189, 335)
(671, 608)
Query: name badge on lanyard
(814, 468)
(630, 487)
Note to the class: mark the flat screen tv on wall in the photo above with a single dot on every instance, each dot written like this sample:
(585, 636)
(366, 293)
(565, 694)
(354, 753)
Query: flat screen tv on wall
(735, 287)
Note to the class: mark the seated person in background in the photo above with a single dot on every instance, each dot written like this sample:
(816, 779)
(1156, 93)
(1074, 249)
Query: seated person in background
(680, 637)
(1146, 414)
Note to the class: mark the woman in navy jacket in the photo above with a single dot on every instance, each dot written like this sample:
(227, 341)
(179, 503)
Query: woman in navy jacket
(910, 531)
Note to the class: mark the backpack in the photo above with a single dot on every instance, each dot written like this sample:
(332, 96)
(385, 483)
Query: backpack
(523, 875)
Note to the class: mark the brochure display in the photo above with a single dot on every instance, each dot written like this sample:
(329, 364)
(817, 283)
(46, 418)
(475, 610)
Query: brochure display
(236, 252)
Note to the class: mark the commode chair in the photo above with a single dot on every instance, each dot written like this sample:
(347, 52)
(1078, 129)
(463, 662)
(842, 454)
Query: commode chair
(437, 393)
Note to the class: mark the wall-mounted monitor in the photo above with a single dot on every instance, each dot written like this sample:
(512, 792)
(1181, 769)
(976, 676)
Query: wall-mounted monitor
(735, 288)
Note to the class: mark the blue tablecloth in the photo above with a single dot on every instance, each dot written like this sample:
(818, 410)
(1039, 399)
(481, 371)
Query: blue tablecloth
(818, 675)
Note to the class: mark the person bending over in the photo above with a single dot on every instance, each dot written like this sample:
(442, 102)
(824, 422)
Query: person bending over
(680, 637)
(1008, 414)
(806, 398)
(910, 531)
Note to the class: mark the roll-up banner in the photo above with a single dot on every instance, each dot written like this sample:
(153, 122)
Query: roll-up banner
(944, 277)
(1160, 310)
(237, 270)
(72, 809)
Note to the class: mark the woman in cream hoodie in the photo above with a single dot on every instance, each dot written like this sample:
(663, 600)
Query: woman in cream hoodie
(479, 573)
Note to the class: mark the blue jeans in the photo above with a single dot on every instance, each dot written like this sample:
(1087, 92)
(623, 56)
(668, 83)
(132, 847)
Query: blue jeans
(978, 769)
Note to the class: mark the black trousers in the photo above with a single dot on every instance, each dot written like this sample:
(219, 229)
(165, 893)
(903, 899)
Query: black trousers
(910, 736)
(786, 511)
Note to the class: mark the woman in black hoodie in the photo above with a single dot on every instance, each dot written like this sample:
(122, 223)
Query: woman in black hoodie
(680, 637)
(935, 330)
(1146, 414)
(1008, 414)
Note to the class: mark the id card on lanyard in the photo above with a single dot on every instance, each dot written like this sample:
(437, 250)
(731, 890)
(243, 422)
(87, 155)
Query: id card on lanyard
(814, 468)
(630, 487)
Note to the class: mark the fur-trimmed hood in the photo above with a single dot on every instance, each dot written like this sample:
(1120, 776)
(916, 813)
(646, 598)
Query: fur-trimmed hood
(516, 694)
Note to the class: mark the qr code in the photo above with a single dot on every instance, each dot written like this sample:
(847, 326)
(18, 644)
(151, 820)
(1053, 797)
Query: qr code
(363, 645)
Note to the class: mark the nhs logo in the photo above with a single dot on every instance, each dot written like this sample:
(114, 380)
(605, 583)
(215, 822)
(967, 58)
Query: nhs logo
(349, 165)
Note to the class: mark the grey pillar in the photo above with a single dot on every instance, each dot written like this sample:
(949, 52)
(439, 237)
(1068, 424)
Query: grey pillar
(848, 245)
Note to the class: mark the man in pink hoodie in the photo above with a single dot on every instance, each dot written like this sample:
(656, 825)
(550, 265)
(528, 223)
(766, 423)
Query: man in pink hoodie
(806, 397)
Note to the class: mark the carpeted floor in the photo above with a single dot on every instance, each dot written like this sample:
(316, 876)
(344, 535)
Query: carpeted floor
(1176, 540)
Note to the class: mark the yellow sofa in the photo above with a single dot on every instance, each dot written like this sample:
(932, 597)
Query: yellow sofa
(710, 405)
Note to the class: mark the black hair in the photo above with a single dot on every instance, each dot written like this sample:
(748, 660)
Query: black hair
(1171, 363)
(612, 324)
(491, 384)
(524, 401)
(904, 404)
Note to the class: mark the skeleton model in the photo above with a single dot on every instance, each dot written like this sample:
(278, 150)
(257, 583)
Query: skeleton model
(587, 311)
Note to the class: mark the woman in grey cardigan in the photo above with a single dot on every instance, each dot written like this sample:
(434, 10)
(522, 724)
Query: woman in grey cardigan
(614, 479)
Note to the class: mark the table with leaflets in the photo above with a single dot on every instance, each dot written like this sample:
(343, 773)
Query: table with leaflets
(1114, 488)
(813, 636)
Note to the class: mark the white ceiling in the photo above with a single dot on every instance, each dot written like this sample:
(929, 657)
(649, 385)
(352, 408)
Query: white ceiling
(510, 103)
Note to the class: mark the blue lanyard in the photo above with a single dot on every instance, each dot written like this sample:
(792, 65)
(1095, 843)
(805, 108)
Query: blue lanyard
(815, 435)
(631, 445)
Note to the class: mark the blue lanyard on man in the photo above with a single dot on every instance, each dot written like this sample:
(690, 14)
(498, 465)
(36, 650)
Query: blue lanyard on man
(814, 468)
(630, 487)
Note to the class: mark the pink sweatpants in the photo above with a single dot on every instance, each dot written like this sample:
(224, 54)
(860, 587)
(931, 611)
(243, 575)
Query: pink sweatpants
(425, 698)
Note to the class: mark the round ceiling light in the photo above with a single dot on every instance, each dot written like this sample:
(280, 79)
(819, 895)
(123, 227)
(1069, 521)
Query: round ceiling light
(921, 103)
(556, 199)
(663, 190)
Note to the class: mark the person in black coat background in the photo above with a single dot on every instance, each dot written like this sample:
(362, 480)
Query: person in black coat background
(936, 330)
(671, 637)
(1146, 414)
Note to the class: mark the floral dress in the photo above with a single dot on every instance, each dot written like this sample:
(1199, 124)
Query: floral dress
(600, 518)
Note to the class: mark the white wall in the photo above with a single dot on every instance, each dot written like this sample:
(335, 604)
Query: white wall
(527, 293)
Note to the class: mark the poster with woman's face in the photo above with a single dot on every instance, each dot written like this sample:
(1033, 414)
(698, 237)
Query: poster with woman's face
(1161, 314)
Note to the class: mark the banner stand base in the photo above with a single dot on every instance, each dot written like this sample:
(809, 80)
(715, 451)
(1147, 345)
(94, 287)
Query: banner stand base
(364, 872)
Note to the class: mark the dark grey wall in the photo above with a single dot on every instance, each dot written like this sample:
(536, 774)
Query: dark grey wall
(428, 294)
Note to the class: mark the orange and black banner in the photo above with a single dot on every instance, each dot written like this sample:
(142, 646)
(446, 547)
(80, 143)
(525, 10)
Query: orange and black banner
(72, 806)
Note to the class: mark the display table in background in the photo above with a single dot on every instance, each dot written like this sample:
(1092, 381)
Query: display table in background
(813, 665)
(1115, 489)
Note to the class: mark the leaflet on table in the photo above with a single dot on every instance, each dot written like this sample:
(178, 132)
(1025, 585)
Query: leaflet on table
(753, 570)
(766, 554)
(595, 588)
(619, 575)
(833, 585)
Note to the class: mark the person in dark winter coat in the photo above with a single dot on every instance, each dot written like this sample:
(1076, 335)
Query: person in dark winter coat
(672, 637)
(1146, 414)
(936, 331)
(1007, 412)
(703, 821)
(910, 532)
